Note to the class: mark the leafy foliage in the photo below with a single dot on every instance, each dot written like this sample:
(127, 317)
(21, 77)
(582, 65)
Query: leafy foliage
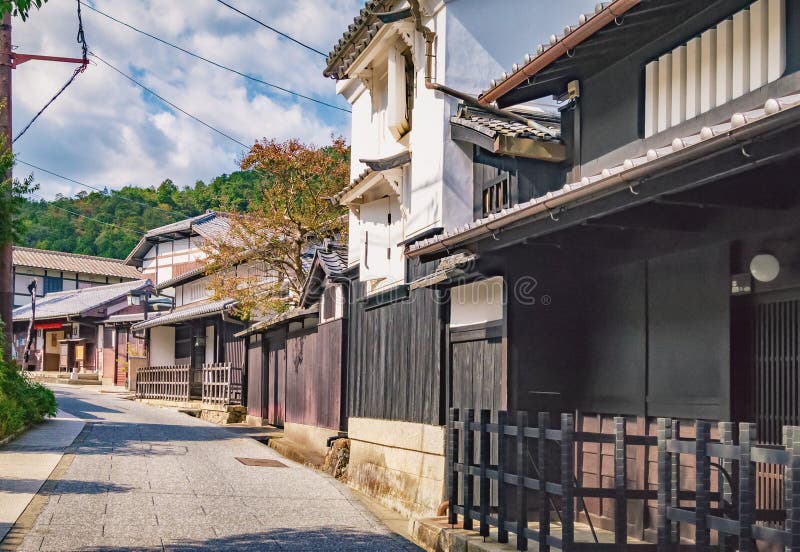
(132, 211)
(274, 236)
(20, 8)
(22, 401)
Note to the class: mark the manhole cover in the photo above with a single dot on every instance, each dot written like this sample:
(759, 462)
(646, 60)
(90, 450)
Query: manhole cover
(261, 462)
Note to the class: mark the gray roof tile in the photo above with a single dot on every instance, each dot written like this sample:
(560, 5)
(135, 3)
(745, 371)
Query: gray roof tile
(73, 303)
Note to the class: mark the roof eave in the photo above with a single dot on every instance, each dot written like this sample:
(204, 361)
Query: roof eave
(614, 10)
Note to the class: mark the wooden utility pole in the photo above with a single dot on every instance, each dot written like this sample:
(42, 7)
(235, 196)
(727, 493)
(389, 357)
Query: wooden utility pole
(6, 276)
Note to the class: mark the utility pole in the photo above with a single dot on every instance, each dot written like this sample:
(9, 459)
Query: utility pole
(6, 277)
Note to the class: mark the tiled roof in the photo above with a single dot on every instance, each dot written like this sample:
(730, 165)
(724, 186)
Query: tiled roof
(560, 45)
(210, 225)
(291, 314)
(356, 181)
(187, 312)
(609, 176)
(357, 37)
(491, 125)
(448, 268)
(72, 262)
(333, 260)
(76, 302)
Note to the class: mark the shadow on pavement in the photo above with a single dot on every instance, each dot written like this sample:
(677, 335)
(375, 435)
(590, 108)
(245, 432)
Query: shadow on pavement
(318, 539)
(64, 486)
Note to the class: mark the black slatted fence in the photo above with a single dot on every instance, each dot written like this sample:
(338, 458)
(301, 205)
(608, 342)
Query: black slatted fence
(547, 475)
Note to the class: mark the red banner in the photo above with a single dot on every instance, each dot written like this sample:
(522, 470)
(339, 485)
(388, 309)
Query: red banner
(47, 326)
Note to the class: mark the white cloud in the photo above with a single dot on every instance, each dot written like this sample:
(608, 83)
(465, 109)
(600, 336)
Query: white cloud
(105, 131)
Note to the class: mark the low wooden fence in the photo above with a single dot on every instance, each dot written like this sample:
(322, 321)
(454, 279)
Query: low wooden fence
(222, 384)
(169, 383)
(520, 477)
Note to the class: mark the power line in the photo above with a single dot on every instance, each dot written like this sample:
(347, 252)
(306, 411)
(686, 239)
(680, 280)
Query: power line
(50, 204)
(31, 165)
(78, 70)
(273, 29)
(219, 65)
(169, 103)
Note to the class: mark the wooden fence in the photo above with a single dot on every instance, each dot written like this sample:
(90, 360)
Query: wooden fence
(519, 477)
(163, 382)
(222, 384)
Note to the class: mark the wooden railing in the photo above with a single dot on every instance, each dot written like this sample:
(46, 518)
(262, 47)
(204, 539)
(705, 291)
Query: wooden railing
(169, 383)
(222, 384)
(546, 473)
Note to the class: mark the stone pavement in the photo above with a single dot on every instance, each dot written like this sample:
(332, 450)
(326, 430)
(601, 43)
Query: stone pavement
(26, 463)
(146, 478)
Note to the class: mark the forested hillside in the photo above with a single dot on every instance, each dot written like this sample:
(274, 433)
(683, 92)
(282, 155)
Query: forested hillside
(58, 224)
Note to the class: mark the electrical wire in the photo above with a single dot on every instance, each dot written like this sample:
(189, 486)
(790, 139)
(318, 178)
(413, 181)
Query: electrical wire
(51, 204)
(169, 103)
(173, 213)
(273, 29)
(219, 65)
(78, 70)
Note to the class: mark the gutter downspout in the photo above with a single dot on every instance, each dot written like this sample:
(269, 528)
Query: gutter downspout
(429, 37)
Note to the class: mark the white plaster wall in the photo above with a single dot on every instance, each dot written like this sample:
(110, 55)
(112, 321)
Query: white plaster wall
(162, 346)
(476, 303)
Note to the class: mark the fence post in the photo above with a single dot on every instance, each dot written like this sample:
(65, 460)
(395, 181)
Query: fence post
(702, 533)
(468, 483)
(485, 416)
(544, 502)
(452, 479)
(664, 433)
(793, 490)
(502, 532)
(620, 473)
(522, 498)
(726, 438)
(675, 487)
(567, 481)
(747, 487)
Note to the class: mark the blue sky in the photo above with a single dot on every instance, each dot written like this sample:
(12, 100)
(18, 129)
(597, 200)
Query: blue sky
(105, 131)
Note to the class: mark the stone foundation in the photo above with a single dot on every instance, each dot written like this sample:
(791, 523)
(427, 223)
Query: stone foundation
(399, 464)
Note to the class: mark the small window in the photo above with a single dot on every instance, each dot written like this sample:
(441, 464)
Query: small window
(496, 196)
(332, 303)
(52, 284)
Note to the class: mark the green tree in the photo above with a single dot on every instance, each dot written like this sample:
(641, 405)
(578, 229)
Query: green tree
(19, 8)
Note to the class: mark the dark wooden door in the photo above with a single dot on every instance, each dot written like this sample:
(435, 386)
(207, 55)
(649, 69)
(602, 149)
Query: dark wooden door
(765, 337)
(257, 378)
(277, 380)
(476, 367)
(121, 373)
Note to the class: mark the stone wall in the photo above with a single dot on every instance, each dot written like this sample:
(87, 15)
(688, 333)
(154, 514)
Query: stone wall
(399, 464)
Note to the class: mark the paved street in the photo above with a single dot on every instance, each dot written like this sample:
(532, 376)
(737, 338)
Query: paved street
(149, 478)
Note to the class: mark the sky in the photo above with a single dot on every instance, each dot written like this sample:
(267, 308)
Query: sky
(105, 131)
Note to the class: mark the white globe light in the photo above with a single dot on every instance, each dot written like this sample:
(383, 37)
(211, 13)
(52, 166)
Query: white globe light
(765, 267)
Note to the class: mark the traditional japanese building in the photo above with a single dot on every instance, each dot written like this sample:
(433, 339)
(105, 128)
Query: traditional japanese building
(81, 330)
(57, 271)
(297, 360)
(654, 271)
(403, 67)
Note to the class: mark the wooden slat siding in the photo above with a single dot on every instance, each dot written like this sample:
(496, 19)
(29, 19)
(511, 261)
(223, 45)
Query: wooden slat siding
(257, 380)
(314, 376)
(234, 347)
(394, 356)
(277, 379)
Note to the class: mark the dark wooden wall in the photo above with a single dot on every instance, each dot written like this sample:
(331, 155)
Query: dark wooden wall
(395, 364)
(233, 347)
(314, 376)
(476, 366)
(276, 374)
(646, 338)
(257, 378)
